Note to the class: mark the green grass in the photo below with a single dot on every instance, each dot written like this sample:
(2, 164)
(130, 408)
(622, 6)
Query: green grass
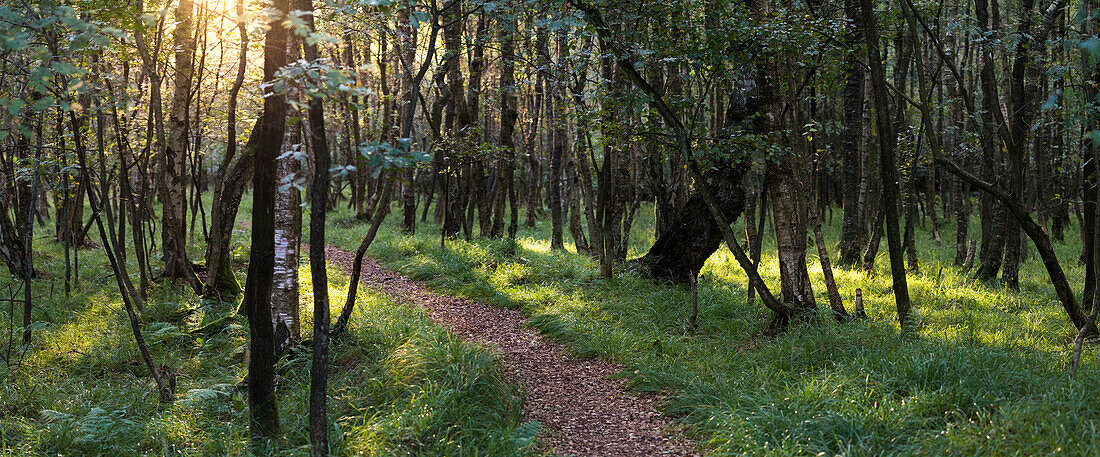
(982, 371)
(399, 384)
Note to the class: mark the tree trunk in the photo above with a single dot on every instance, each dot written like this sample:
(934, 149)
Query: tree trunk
(506, 163)
(681, 251)
(557, 149)
(12, 246)
(229, 189)
(318, 373)
(479, 180)
(288, 234)
(573, 197)
(994, 217)
(1022, 113)
(852, 228)
(174, 157)
(612, 175)
(458, 121)
(221, 282)
(410, 92)
(835, 301)
(1090, 192)
(530, 144)
(257, 292)
(752, 238)
(165, 387)
(962, 219)
(886, 159)
(379, 215)
(788, 217)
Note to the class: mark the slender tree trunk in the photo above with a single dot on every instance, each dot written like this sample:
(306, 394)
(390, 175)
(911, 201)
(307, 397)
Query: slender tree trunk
(1090, 186)
(573, 197)
(534, 170)
(907, 147)
(288, 236)
(379, 215)
(835, 302)
(318, 373)
(29, 200)
(458, 122)
(886, 158)
(557, 149)
(582, 158)
(173, 160)
(221, 282)
(751, 235)
(1022, 113)
(165, 387)
(503, 188)
(994, 217)
(410, 91)
(852, 227)
(480, 181)
(264, 423)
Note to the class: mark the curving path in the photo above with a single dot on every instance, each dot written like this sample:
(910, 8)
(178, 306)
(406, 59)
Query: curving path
(582, 411)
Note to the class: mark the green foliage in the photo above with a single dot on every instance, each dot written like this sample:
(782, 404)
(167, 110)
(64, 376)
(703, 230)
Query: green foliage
(981, 371)
(399, 384)
(383, 156)
(318, 79)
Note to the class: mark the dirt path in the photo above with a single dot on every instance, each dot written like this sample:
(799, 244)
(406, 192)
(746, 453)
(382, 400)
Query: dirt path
(582, 412)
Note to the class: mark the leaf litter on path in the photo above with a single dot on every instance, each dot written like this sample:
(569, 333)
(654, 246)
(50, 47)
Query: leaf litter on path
(583, 409)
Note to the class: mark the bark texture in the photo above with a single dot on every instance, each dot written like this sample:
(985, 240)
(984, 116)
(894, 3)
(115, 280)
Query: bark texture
(173, 161)
(680, 253)
(263, 407)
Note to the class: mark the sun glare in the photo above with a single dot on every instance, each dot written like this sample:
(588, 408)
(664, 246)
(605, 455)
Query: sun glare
(225, 8)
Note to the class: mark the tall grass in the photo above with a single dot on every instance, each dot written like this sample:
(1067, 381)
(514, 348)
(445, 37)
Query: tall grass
(980, 372)
(399, 384)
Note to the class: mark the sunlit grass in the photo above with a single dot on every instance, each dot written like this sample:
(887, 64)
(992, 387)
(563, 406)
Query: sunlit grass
(399, 384)
(981, 370)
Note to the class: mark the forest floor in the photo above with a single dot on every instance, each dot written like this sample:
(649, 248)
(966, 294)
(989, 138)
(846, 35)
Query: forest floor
(981, 370)
(582, 408)
(399, 384)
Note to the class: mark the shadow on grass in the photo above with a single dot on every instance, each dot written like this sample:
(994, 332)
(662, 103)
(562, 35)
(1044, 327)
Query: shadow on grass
(980, 372)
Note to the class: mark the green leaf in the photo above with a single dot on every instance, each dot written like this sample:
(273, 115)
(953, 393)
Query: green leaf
(418, 17)
(1051, 103)
(43, 104)
(66, 68)
(51, 415)
(1091, 46)
(15, 106)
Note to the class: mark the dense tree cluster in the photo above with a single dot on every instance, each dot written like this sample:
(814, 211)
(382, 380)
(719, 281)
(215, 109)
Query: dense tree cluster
(485, 114)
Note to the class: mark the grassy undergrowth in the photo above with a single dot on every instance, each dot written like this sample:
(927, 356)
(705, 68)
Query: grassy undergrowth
(981, 372)
(399, 384)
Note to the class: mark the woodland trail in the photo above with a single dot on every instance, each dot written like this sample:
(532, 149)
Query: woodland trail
(583, 412)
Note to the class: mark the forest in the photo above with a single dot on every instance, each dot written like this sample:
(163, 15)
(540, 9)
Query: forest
(549, 227)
